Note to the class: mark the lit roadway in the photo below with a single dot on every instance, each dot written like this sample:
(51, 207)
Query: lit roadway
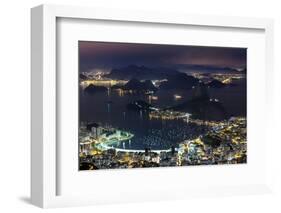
(106, 147)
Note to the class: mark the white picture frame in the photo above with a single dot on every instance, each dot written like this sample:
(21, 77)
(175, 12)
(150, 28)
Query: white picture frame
(44, 169)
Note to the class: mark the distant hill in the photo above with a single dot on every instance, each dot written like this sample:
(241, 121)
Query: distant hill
(136, 85)
(205, 68)
(133, 84)
(149, 85)
(82, 77)
(244, 71)
(216, 84)
(179, 81)
(141, 73)
(93, 89)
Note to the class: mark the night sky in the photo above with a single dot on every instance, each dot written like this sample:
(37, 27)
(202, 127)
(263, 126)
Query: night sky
(112, 55)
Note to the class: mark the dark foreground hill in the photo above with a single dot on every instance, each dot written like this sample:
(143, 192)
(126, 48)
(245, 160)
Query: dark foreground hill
(201, 106)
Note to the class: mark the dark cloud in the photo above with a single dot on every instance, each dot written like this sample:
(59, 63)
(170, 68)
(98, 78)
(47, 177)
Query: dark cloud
(109, 54)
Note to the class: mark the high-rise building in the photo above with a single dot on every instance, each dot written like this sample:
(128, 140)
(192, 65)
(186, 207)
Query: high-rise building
(95, 129)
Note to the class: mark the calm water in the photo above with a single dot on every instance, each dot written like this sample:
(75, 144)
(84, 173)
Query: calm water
(109, 108)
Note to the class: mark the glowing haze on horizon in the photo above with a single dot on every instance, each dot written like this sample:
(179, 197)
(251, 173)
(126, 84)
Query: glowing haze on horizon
(111, 54)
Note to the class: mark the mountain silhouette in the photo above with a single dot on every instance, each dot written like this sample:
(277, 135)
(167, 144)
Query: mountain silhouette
(93, 89)
(216, 84)
(201, 106)
(141, 73)
(136, 85)
(179, 81)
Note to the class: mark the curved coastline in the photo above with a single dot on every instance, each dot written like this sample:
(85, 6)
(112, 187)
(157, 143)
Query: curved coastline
(103, 146)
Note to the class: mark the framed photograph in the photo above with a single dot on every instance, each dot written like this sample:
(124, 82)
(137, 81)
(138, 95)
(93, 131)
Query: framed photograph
(155, 105)
(149, 106)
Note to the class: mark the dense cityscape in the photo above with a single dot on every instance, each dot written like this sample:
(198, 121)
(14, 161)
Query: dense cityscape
(225, 143)
(136, 116)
